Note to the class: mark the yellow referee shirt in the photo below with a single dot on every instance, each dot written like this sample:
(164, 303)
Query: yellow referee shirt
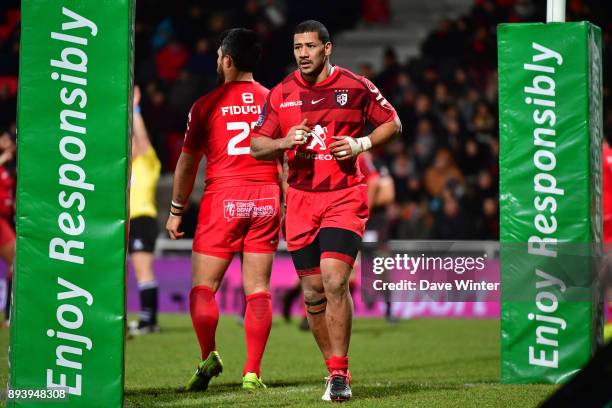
(145, 174)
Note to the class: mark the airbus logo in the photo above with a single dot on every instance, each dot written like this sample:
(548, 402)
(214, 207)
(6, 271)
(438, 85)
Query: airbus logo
(290, 104)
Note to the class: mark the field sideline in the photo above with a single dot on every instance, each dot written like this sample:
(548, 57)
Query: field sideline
(416, 363)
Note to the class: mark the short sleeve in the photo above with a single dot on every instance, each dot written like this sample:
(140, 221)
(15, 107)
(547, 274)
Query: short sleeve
(268, 123)
(196, 133)
(377, 109)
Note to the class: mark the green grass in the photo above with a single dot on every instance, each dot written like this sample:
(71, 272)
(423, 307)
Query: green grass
(418, 363)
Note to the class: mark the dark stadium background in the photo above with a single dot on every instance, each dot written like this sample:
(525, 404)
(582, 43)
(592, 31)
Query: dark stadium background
(435, 61)
(443, 85)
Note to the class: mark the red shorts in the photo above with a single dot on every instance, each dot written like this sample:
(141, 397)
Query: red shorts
(309, 211)
(238, 219)
(7, 234)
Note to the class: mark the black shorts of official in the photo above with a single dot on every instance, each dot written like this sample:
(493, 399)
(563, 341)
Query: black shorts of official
(143, 233)
(336, 243)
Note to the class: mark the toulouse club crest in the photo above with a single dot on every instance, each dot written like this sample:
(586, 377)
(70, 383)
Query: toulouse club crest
(342, 98)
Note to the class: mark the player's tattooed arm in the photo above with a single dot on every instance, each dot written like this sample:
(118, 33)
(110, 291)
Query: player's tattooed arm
(266, 148)
(184, 177)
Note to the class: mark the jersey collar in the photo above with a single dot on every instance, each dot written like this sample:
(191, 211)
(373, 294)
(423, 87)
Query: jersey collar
(331, 78)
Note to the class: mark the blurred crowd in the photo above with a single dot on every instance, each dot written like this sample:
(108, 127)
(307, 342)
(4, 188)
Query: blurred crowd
(9, 64)
(445, 165)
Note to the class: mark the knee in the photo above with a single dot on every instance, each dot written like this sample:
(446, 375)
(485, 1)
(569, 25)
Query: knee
(335, 286)
(314, 297)
(313, 294)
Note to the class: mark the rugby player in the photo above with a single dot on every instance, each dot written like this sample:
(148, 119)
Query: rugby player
(239, 211)
(317, 116)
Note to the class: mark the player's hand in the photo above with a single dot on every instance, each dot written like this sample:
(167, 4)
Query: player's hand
(172, 226)
(6, 156)
(297, 135)
(346, 147)
(137, 95)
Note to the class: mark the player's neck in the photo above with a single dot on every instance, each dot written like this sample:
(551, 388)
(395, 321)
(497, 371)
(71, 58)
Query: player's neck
(321, 76)
(240, 76)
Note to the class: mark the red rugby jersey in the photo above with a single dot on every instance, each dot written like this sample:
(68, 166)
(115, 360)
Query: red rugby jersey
(219, 126)
(338, 106)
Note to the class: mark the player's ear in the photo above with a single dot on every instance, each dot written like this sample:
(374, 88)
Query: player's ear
(328, 48)
(228, 62)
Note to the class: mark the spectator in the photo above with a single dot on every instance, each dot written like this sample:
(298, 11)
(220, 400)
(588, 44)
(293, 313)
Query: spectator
(375, 11)
(203, 61)
(8, 107)
(388, 77)
(425, 143)
(443, 171)
(452, 223)
(170, 60)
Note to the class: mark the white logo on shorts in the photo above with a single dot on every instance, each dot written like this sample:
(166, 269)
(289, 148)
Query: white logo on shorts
(261, 207)
(229, 208)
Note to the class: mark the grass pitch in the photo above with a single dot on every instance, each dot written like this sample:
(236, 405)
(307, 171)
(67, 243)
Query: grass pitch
(416, 363)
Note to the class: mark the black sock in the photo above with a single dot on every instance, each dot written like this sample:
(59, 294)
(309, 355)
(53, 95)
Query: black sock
(148, 303)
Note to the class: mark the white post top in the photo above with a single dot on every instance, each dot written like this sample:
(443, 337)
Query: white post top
(555, 11)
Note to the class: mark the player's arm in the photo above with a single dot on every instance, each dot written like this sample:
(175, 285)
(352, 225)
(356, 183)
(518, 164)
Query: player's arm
(346, 147)
(284, 177)
(184, 178)
(186, 169)
(381, 114)
(140, 136)
(284, 187)
(267, 148)
(385, 132)
(385, 191)
(372, 185)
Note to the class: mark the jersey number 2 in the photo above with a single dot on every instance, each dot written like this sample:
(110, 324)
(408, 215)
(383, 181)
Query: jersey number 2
(244, 129)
